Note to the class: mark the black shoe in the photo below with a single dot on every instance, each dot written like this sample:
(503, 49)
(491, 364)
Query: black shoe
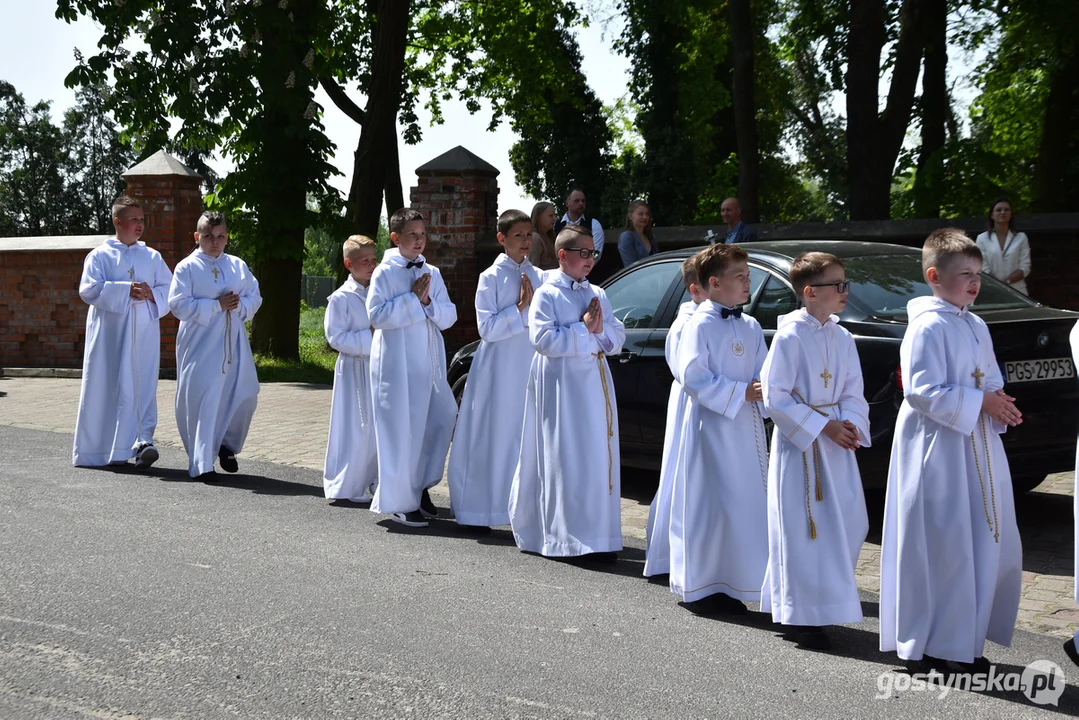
(928, 665)
(808, 637)
(208, 477)
(227, 458)
(475, 529)
(1069, 648)
(145, 456)
(427, 507)
(409, 519)
(724, 603)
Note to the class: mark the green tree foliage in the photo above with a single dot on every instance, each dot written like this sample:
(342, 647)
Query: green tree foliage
(58, 180)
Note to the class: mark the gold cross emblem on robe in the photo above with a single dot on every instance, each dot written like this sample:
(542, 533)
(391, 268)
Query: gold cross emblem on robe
(131, 273)
(977, 375)
(216, 273)
(827, 376)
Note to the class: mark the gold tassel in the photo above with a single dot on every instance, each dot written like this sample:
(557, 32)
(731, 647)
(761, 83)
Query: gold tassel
(812, 529)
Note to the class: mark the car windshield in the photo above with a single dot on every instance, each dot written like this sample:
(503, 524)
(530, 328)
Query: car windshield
(884, 284)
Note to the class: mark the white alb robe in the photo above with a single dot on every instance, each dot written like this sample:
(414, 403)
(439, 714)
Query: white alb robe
(566, 493)
(719, 513)
(351, 465)
(217, 386)
(122, 354)
(487, 441)
(951, 559)
(810, 578)
(657, 557)
(413, 406)
(1075, 503)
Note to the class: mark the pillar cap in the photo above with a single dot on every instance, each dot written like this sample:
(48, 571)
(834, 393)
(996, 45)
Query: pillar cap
(161, 164)
(458, 161)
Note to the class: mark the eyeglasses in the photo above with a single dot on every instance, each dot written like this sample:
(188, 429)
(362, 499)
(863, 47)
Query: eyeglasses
(585, 253)
(840, 287)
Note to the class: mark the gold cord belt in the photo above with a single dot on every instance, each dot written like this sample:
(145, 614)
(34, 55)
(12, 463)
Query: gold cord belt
(226, 349)
(819, 409)
(994, 523)
(610, 421)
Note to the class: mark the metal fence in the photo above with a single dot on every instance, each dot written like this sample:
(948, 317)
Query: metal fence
(316, 289)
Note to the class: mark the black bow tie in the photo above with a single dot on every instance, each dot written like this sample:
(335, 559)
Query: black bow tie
(730, 312)
(414, 263)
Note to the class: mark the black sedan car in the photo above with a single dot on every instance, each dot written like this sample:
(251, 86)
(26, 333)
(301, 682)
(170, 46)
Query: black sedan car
(1031, 343)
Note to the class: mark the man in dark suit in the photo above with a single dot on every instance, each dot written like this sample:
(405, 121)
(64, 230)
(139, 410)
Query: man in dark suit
(737, 231)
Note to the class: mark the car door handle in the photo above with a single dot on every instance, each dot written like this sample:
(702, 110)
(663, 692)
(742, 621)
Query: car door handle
(626, 356)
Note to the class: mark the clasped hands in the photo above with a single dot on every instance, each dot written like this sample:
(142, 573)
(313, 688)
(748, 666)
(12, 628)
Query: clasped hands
(593, 317)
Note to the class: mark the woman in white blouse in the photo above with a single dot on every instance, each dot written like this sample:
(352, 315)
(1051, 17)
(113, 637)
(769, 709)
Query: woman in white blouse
(1005, 251)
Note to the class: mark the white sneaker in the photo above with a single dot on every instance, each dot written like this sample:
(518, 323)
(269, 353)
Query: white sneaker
(145, 456)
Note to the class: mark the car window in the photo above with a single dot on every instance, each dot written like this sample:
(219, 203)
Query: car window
(884, 283)
(775, 299)
(757, 276)
(635, 297)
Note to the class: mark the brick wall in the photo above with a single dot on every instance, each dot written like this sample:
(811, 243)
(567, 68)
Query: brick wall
(461, 208)
(42, 317)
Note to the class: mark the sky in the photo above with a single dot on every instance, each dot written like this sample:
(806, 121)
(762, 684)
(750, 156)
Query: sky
(36, 55)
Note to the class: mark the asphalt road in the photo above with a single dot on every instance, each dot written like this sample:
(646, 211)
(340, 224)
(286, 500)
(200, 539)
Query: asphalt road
(150, 595)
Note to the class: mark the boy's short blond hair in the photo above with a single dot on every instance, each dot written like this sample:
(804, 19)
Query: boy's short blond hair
(944, 245)
(689, 271)
(570, 236)
(123, 202)
(809, 267)
(355, 244)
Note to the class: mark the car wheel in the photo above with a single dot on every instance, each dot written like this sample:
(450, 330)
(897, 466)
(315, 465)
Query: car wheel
(1025, 483)
(459, 388)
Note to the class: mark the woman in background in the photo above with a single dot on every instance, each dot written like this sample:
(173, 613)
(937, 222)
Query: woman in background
(542, 254)
(1005, 251)
(637, 242)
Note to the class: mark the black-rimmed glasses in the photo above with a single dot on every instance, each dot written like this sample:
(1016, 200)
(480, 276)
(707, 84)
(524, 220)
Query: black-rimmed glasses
(840, 287)
(585, 253)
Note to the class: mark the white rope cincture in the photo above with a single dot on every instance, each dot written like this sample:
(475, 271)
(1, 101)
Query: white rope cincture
(360, 379)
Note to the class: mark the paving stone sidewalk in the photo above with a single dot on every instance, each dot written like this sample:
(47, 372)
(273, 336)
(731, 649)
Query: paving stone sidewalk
(292, 420)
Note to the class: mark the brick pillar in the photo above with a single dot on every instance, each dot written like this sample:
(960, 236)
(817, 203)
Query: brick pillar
(171, 197)
(457, 193)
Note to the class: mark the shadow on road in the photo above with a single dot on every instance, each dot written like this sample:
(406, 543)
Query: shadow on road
(257, 484)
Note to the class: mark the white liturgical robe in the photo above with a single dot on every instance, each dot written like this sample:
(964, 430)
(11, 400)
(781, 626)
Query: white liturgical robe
(566, 493)
(351, 466)
(487, 441)
(216, 383)
(657, 560)
(951, 560)
(414, 408)
(118, 398)
(719, 514)
(813, 375)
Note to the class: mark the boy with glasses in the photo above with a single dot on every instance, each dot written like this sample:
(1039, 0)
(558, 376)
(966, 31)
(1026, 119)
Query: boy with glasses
(817, 520)
(565, 499)
(126, 285)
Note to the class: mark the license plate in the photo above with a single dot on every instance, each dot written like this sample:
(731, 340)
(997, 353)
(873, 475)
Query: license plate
(1034, 370)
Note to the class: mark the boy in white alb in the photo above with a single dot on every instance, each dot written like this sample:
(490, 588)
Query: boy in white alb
(126, 285)
(951, 561)
(565, 500)
(817, 521)
(657, 532)
(414, 408)
(213, 294)
(1069, 646)
(351, 469)
(719, 517)
(487, 441)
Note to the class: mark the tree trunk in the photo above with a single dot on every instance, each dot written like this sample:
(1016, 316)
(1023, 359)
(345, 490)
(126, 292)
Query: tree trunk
(934, 111)
(874, 140)
(745, 110)
(375, 153)
(395, 196)
(1060, 139)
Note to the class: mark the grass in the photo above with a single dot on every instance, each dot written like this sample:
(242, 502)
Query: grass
(316, 357)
